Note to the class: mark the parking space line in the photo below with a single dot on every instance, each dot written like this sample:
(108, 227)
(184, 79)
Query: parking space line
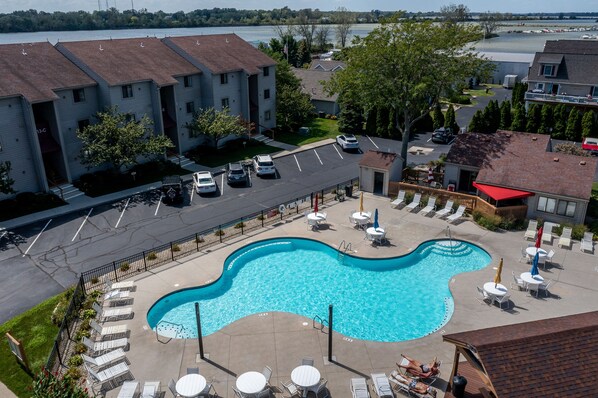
(82, 224)
(3, 233)
(37, 237)
(318, 156)
(222, 185)
(159, 202)
(337, 151)
(372, 141)
(192, 192)
(122, 213)
(299, 167)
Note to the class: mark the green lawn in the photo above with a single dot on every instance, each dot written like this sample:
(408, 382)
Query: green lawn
(479, 93)
(37, 333)
(320, 129)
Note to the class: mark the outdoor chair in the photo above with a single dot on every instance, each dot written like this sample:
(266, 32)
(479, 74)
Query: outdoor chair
(402, 385)
(117, 297)
(484, 297)
(524, 256)
(359, 388)
(290, 389)
(446, 210)
(382, 385)
(108, 331)
(399, 200)
(547, 233)
(549, 257)
(414, 203)
(502, 299)
(533, 287)
(125, 285)
(352, 221)
(307, 361)
(264, 394)
(565, 239)
(193, 371)
(320, 390)
(172, 388)
(238, 393)
(206, 391)
(430, 207)
(109, 375)
(407, 369)
(151, 389)
(453, 218)
(530, 233)
(544, 287)
(267, 372)
(101, 347)
(587, 244)
(111, 314)
(518, 282)
(107, 359)
(129, 389)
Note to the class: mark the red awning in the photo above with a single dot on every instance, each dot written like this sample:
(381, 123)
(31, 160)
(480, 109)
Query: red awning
(500, 193)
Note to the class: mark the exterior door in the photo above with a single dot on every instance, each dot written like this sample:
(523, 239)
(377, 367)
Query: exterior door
(378, 183)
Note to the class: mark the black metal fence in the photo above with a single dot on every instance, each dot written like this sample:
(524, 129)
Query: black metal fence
(133, 265)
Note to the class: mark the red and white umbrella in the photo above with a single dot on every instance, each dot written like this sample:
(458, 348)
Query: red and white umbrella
(430, 175)
(539, 237)
(316, 204)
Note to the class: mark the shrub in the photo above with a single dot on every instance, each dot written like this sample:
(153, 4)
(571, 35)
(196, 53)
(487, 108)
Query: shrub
(88, 314)
(333, 117)
(176, 248)
(578, 231)
(80, 348)
(59, 312)
(460, 99)
(95, 280)
(219, 232)
(152, 256)
(125, 266)
(75, 360)
(52, 385)
(200, 239)
(82, 333)
(409, 196)
(240, 225)
(74, 373)
(489, 222)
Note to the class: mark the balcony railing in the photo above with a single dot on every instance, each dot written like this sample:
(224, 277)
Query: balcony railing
(567, 99)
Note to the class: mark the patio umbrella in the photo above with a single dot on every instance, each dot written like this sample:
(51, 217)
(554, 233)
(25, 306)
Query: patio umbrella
(316, 204)
(539, 237)
(498, 272)
(361, 203)
(376, 225)
(534, 270)
(430, 175)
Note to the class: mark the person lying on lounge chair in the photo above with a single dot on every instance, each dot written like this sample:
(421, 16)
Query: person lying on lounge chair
(419, 369)
(413, 384)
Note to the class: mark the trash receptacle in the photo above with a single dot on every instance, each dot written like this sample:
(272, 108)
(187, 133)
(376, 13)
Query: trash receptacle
(348, 191)
(321, 114)
(459, 383)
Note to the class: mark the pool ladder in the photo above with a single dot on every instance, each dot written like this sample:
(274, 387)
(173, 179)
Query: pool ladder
(448, 234)
(323, 323)
(343, 248)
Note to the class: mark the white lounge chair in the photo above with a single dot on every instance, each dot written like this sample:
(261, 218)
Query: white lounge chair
(108, 358)
(109, 375)
(129, 389)
(151, 389)
(117, 297)
(458, 214)
(415, 202)
(402, 384)
(565, 239)
(446, 210)
(547, 233)
(530, 233)
(101, 347)
(125, 285)
(587, 244)
(399, 200)
(108, 331)
(111, 314)
(359, 388)
(382, 385)
(430, 207)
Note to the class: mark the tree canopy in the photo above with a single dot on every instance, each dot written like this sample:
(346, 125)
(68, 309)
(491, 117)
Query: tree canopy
(293, 107)
(407, 65)
(117, 140)
(6, 182)
(217, 124)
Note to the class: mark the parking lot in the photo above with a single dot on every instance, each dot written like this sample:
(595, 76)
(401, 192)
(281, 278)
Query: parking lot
(47, 256)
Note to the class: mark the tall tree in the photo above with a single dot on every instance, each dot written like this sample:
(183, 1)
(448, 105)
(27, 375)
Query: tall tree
(293, 107)
(534, 119)
(519, 119)
(560, 121)
(116, 140)
(455, 13)
(489, 22)
(476, 124)
(350, 118)
(450, 120)
(438, 116)
(306, 28)
(321, 37)
(343, 19)
(406, 65)
(216, 124)
(546, 119)
(588, 125)
(505, 115)
(573, 131)
(6, 182)
(382, 122)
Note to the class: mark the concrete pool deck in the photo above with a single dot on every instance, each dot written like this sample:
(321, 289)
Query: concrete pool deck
(281, 340)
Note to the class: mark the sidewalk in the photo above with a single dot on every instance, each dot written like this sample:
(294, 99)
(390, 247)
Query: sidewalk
(5, 392)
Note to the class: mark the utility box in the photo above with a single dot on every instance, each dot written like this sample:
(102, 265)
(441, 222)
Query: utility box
(509, 81)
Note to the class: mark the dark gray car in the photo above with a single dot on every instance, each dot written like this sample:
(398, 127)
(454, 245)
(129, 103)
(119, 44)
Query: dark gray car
(236, 174)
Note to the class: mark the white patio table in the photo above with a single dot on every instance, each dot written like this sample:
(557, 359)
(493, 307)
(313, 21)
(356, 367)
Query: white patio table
(305, 376)
(251, 382)
(499, 290)
(190, 385)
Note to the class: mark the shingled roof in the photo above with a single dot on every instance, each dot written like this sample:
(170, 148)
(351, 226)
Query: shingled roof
(378, 159)
(577, 61)
(35, 71)
(523, 161)
(223, 53)
(547, 358)
(311, 83)
(125, 61)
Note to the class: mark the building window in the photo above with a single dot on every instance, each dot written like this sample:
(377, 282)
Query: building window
(81, 124)
(546, 205)
(547, 70)
(540, 86)
(266, 71)
(594, 91)
(130, 117)
(224, 103)
(127, 91)
(187, 82)
(79, 95)
(1, 146)
(267, 115)
(267, 93)
(223, 78)
(566, 208)
(190, 107)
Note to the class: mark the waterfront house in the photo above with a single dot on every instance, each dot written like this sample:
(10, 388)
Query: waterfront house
(519, 174)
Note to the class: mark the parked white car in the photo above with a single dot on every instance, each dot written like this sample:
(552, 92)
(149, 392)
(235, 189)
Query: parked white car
(263, 165)
(347, 142)
(204, 182)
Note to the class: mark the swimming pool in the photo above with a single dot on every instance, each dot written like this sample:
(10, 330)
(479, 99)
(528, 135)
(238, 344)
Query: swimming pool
(390, 299)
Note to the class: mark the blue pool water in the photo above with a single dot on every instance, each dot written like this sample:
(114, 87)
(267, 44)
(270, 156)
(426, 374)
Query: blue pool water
(391, 299)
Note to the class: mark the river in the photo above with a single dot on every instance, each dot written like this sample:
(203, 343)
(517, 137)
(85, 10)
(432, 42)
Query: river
(511, 37)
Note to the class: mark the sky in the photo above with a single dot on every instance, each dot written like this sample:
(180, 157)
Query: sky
(514, 6)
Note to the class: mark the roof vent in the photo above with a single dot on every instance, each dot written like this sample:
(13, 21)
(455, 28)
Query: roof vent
(23, 52)
(141, 45)
(101, 49)
(556, 159)
(534, 138)
(582, 163)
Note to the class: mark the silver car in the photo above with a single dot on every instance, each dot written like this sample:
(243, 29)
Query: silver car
(348, 142)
